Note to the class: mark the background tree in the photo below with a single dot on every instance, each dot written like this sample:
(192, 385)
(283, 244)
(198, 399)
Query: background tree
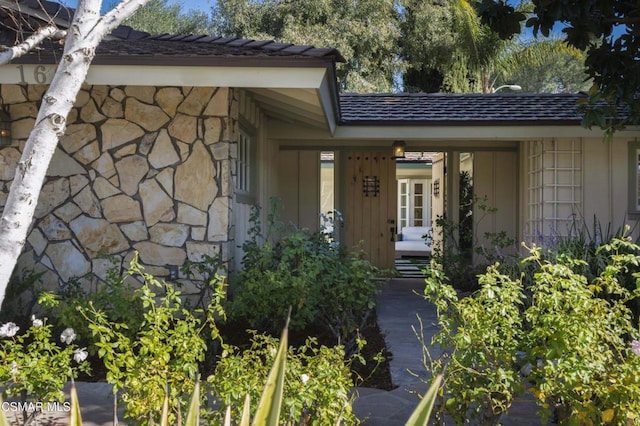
(160, 17)
(447, 48)
(365, 32)
(87, 29)
(546, 66)
(607, 30)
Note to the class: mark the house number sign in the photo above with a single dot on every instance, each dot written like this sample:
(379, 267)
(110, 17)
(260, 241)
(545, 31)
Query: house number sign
(39, 74)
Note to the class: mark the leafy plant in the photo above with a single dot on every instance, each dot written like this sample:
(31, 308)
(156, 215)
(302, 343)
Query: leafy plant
(460, 242)
(166, 350)
(325, 285)
(32, 366)
(571, 340)
(317, 380)
(116, 297)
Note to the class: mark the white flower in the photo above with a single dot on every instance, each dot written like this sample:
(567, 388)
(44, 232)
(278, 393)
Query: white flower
(68, 336)
(14, 368)
(80, 354)
(9, 329)
(36, 322)
(304, 378)
(635, 347)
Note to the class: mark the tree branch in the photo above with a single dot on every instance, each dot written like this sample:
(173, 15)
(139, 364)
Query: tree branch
(50, 31)
(118, 14)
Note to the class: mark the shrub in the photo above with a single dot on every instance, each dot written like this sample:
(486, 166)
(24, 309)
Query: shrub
(569, 339)
(324, 284)
(316, 388)
(115, 297)
(166, 350)
(33, 366)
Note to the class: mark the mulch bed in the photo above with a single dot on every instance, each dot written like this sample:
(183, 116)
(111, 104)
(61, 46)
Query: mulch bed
(369, 375)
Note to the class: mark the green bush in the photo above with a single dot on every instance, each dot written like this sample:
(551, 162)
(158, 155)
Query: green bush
(570, 340)
(115, 297)
(316, 388)
(33, 365)
(324, 284)
(166, 350)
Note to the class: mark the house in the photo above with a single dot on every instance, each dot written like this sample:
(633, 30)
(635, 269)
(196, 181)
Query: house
(174, 138)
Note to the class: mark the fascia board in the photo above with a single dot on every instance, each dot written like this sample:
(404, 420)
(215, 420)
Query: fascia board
(329, 103)
(466, 132)
(262, 77)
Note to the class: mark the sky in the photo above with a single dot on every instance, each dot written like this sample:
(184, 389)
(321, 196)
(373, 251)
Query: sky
(201, 5)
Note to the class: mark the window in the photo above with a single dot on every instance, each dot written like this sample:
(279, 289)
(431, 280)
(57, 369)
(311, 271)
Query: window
(244, 162)
(634, 177)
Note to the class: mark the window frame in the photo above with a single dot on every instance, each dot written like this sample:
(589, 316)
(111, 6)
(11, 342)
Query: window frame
(246, 170)
(634, 178)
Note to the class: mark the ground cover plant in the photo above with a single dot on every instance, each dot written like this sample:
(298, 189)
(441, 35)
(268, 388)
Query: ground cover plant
(568, 338)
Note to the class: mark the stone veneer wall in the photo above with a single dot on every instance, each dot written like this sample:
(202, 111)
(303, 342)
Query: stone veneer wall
(139, 169)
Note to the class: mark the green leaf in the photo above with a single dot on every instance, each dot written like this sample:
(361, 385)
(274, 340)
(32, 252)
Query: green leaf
(421, 414)
(193, 415)
(3, 418)
(268, 412)
(164, 419)
(75, 417)
(246, 412)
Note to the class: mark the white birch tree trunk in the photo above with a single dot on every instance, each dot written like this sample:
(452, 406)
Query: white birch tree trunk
(87, 29)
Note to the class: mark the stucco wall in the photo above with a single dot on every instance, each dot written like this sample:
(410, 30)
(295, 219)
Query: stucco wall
(139, 169)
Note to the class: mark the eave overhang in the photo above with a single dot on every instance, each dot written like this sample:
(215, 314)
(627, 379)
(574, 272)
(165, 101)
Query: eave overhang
(301, 89)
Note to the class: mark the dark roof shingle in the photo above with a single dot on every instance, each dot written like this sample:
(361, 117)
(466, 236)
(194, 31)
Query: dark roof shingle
(460, 109)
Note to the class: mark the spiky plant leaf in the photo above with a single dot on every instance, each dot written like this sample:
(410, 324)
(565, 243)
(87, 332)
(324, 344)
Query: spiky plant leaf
(75, 417)
(268, 412)
(227, 416)
(246, 411)
(193, 415)
(164, 419)
(420, 416)
(3, 418)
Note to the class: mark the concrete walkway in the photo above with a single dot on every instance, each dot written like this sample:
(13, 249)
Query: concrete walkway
(398, 308)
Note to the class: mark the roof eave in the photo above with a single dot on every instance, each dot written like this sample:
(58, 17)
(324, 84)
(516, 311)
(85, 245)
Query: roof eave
(459, 123)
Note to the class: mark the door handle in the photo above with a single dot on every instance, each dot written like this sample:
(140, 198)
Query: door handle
(393, 234)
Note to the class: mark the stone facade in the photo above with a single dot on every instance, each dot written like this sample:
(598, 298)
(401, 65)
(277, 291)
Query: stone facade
(141, 169)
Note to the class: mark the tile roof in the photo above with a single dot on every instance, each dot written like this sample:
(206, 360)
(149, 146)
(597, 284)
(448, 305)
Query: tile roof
(127, 45)
(140, 48)
(460, 109)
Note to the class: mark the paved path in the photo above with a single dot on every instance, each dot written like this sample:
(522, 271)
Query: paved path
(398, 310)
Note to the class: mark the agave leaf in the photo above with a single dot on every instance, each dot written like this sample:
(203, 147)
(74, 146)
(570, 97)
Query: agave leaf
(75, 416)
(420, 416)
(164, 419)
(227, 416)
(193, 416)
(3, 418)
(268, 412)
(246, 411)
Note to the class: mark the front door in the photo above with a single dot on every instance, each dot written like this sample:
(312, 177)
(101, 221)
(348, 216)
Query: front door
(369, 200)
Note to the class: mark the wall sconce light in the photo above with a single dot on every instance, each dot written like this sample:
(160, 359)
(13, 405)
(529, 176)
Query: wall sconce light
(5, 128)
(398, 149)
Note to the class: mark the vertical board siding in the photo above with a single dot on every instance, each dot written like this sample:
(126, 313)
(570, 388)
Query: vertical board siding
(370, 220)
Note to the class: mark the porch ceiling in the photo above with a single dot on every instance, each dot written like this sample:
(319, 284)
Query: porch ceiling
(292, 105)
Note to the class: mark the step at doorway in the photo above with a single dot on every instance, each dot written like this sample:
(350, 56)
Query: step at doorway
(411, 267)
